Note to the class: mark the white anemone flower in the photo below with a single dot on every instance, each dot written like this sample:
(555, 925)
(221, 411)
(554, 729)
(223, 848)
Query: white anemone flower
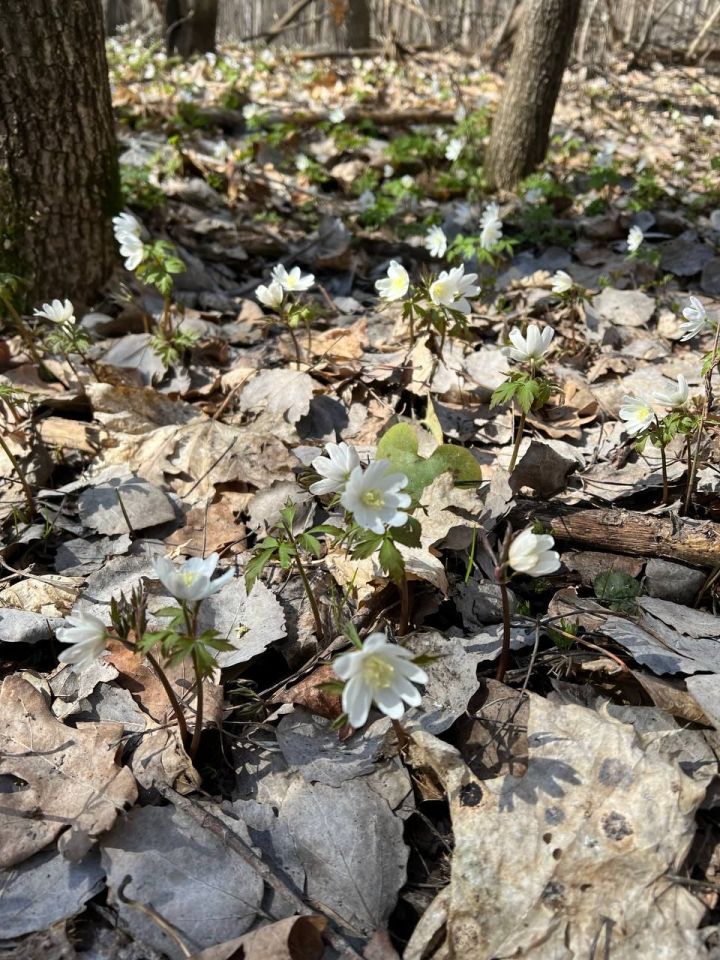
(634, 239)
(491, 234)
(57, 311)
(294, 281)
(561, 282)
(373, 496)
(491, 226)
(271, 295)
(128, 234)
(676, 396)
(533, 553)
(395, 285)
(193, 580)
(336, 115)
(532, 347)
(366, 200)
(533, 196)
(490, 213)
(335, 468)
(88, 636)
(436, 241)
(381, 673)
(695, 319)
(302, 162)
(637, 414)
(454, 149)
(452, 288)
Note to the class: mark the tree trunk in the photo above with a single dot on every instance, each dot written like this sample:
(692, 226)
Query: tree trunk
(59, 183)
(117, 13)
(190, 26)
(357, 24)
(521, 128)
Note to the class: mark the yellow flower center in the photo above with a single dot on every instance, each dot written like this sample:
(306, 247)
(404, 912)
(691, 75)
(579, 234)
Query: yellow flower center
(188, 578)
(642, 412)
(377, 672)
(373, 498)
(440, 289)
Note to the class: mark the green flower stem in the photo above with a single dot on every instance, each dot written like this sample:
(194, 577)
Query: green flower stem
(174, 702)
(404, 607)
(505, 652)
(518, 441)
(197, 732)
(165, 322)
(663, 465)
(21, 476)
(701, 426)
(310, 595)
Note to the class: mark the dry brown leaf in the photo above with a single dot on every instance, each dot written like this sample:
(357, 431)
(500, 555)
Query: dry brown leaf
(72, 777)
(294, 938)
(571, 853)
(310, 694)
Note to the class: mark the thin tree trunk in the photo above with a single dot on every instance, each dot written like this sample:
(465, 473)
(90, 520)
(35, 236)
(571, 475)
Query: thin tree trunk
(358, 24)
(190, 26)
(59, 184)
(521, 128)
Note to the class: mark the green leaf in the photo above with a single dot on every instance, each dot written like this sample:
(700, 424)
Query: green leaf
(332, 686)
(256, 566)
(352, 635)
(399, 445)
(391, 560)
(310, 543)
(173, 612)
(617, 589)
(286, 555)
(409, 533)
(503, 394)
(367, 546)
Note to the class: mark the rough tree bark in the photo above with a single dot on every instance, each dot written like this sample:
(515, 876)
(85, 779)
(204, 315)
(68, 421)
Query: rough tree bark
(190, 26)
(59, 183)
(357, 24)
(521, 128)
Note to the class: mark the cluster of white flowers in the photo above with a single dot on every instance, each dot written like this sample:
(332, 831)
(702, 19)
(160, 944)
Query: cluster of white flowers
(59, 312)
(491, 226)
(128, 233)
(190, 583)
(532, 347)
(273, 294)
(452, 288)
(373, 495)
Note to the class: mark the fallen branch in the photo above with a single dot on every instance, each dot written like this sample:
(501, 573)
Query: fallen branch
(695, 542)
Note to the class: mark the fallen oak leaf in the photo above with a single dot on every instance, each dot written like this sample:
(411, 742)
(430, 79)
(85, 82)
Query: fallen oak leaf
(72, 777)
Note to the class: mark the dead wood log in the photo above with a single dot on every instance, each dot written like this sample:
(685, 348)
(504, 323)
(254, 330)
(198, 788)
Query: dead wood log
(695, 542)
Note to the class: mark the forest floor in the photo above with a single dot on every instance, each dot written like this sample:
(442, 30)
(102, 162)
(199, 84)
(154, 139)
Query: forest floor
(567, 810)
